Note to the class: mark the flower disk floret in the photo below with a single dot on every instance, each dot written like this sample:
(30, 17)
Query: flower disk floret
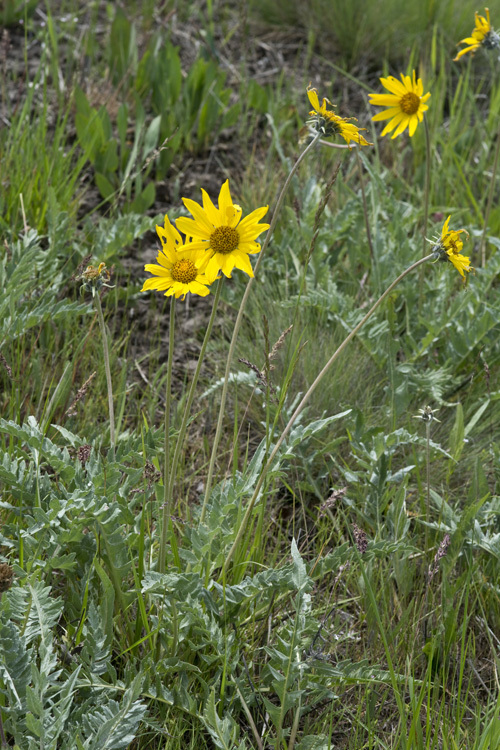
(225, 240)
(482, 35)
(406, 104)
(324, 120)
(176, 273)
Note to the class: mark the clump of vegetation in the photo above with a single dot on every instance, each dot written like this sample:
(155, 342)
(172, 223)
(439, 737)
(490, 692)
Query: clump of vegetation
(264, 512)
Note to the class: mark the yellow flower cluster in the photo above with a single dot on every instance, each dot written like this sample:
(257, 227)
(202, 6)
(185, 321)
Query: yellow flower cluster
(216, 239)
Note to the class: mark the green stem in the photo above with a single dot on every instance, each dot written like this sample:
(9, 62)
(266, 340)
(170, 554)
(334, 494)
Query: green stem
(3, 740)
(365, 205)
(427, 188)
(490, 200)
(107, 370)
(239, 319)
(428, 478)
(304, 401)
(166, 473)
(187, 409)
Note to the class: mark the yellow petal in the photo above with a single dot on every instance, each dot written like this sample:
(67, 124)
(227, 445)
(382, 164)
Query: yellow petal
(312, 95)
(393, 123)
(444, 230)
(192, 228)
(212, 270)
(412, 126)
(226, 263)
(201, 219)
(209, 208)
(402, 126)
(157, 270)
(392, 84)
(225, 201)
(200, 289)
(387, 114)
(384, 100)
(242, 261)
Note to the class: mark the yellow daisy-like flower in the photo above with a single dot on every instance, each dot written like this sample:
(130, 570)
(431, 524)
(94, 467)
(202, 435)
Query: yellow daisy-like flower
(406, 104)
(327, 122)
(449, 248)
(177, 272)
(224, 239)
(481, 35)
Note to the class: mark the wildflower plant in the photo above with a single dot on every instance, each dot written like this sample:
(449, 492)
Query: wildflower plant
(94, 279)
(406, 104)
(231, 639)
(177, 274)
(482, 35)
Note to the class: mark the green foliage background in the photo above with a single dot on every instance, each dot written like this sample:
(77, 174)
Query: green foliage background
(310, 641)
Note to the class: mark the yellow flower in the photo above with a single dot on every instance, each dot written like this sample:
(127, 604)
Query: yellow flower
(449, 248)
(406, 104)
(482, 34)
(223, 240)
(326, 121)
(177, 272)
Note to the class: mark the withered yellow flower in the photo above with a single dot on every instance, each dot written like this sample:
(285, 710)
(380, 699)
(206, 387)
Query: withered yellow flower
(481, 35)
(326, 121)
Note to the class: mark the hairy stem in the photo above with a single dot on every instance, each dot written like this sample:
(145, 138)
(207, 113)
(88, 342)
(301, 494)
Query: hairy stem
(165, 516)
(239, 319)
(107, 370)
(187, 409)
(490, 200)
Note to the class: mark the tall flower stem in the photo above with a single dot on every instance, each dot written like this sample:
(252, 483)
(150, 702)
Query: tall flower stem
(239, 319)
(165, 516)
(427, 186)
(187, 409)
(107, 370)
(305, 399)
(365, 206)
(428, 479)
(490, 200)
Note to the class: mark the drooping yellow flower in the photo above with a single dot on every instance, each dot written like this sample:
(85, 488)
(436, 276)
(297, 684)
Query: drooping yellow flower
(481, 35)
(177, 272)
(406, 104)
(449, 248)
(223, 238)
(324, 120)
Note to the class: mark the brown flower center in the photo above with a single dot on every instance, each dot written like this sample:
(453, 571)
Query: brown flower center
(224, 240)
(410, 103)
(184, 271)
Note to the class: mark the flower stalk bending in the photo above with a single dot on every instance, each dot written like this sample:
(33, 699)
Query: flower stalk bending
(305, 399)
